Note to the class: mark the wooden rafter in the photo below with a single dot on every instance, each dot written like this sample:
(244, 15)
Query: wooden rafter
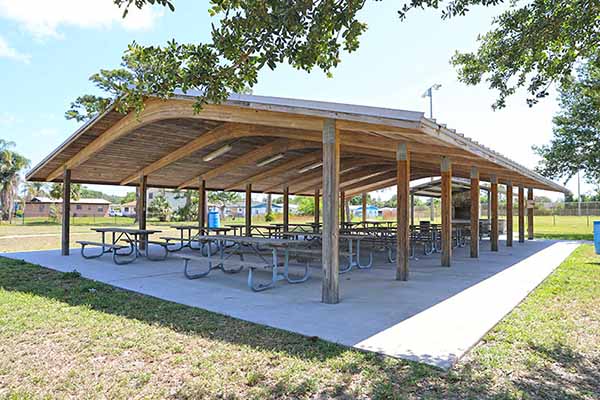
(275, 146)
(279, 169)
(348, 177)
(204, 140)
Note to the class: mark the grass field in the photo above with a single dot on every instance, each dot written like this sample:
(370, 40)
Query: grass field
(62, 336)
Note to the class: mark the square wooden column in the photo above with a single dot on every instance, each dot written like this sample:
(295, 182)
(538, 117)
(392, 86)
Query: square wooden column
(248, 219)
(286, 208)
(142, 208)
(66, 213)
(530, 213)
(317, 206)
(494, 210)
(202, 206)
(509, 214)
(446, 172)
(412, 209)
(331, 188)
(402, 211)
(343, 207)
(521, 200)
(475, 192)
(364, 207)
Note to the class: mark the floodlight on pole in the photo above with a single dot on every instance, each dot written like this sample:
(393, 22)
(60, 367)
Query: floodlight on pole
(429, 93)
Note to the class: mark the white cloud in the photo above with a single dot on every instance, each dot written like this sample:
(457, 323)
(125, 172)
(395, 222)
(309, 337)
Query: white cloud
(43, 18)
(8, 52)
(7, 119)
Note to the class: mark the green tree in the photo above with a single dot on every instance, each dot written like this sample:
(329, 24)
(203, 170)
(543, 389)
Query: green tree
(34, 189)
(128, 198)
(159, 208)
(531, 44)
(189, 211)
(56, 191)
(575, 145)
(222, 199)
(11, 165)
(306, 205)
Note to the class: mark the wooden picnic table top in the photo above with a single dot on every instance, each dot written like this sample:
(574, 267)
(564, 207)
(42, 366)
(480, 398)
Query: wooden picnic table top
(253, 239)
(131, 231)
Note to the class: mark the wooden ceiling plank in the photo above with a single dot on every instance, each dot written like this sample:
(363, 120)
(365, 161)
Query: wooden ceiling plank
(206, 139)
(276, 146)
(278, 170)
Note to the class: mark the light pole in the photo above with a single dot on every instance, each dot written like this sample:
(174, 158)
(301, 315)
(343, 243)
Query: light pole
(429, 93)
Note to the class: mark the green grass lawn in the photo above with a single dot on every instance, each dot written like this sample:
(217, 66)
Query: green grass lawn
(62, 336)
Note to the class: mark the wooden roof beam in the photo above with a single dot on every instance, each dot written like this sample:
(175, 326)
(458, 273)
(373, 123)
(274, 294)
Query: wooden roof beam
(276, 146)
(222, 132)
(347, 178)
(279, 169)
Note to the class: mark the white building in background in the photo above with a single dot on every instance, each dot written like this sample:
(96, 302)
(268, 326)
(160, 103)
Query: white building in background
(175, 199)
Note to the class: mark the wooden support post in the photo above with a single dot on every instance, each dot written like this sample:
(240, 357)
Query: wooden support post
(494, 205)
(402, 211)
(286, 208)
(475, 191)
(317, 206)
(142, 207)
(331, 188)
(521, 200)
(446, 172)
(412, 209)
(364, 207)
(530, 213)
(248, 219)
(343, 207)
(509, 214)
(202, 206)
(66, 213)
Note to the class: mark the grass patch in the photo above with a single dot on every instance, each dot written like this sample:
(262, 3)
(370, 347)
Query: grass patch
(65, 336)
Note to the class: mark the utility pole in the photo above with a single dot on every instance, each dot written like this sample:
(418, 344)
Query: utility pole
(578, 194)
(429, 93)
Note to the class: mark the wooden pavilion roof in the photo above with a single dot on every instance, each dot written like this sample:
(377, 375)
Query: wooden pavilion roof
(167, 143)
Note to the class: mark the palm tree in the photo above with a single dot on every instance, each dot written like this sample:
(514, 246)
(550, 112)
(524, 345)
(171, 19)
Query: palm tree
(11, 164)
(35, 189)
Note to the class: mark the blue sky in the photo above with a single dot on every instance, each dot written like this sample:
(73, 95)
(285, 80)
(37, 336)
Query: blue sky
(48, 49)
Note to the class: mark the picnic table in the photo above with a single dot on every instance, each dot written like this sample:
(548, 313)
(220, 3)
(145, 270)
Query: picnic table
(186, 238)
(136, 239)
(230, 246)
(353, 253)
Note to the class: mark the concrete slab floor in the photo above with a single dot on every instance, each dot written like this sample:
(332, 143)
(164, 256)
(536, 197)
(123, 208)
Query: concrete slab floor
(435, 317)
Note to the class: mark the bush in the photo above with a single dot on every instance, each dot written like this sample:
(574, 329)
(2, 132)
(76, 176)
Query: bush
(269, 217)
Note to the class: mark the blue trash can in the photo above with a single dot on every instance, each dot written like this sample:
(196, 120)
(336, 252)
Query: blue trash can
(597, 236)
(214, 220)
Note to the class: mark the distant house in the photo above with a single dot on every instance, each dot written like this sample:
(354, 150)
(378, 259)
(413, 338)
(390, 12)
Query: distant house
(128, 209)
(372, 211)
(47, 207)
(238, 210)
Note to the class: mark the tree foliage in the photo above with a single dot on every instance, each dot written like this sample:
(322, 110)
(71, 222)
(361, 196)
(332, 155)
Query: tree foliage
(531, 45)
(222, 199)
(56, 191)
(159, 208)
(11, 165)
(575, 144)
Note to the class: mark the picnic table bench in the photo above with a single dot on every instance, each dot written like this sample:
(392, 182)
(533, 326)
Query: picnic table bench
(314, 238)
(224, 260)
(133, 238)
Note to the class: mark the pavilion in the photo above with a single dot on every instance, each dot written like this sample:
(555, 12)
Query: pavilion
(288, 146)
